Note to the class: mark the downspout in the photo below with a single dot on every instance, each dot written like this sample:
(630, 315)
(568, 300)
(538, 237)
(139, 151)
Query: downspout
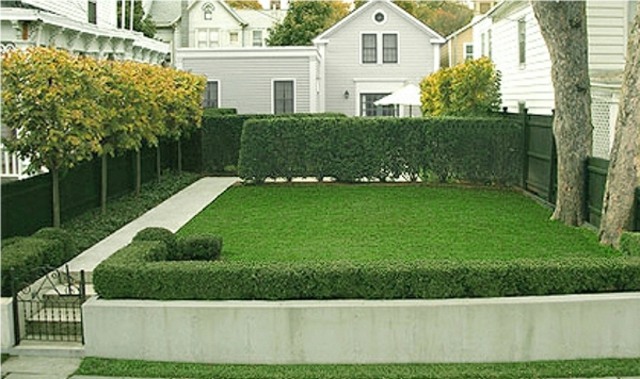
(184, 23)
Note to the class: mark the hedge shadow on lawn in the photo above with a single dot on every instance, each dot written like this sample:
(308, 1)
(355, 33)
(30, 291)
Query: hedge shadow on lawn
(138, 271)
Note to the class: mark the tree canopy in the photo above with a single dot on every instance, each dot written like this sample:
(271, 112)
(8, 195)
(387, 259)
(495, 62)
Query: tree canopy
(141, 22)
(305, 20)
(244, 4)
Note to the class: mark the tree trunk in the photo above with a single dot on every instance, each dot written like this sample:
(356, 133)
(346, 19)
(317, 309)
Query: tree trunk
(624, 165)
(179, 157)
(138, 172)
(103, 185)
(55, 191)
(158, 163)
(564, 28)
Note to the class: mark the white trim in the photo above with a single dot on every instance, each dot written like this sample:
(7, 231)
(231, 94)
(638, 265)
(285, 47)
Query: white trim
(464, 50)
(360, 51)
(375, 85)
(295, 93)
(324, 36)
(436, 58)
(248, 52)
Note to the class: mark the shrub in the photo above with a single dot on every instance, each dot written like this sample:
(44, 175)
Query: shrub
(213, 112)
(471, 88)
(130, 274)
(630, 243)
(158, 234)
(349, 149)
(199, 248)
(62, 236)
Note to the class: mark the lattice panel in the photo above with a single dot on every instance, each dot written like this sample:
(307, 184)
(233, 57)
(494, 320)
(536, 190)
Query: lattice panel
(604, 110)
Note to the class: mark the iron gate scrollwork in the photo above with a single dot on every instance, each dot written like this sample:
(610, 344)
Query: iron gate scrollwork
(49, 309)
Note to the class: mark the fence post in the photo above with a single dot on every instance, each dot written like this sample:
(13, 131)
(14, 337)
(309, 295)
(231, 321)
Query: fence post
(525, 148)
(553, 169)
(15, 308)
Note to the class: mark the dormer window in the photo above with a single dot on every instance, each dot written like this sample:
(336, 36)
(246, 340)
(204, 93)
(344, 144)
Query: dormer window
(208, 11)
(379, 17)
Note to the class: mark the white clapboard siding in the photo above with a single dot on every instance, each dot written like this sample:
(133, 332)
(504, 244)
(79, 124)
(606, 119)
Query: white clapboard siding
(78, 10)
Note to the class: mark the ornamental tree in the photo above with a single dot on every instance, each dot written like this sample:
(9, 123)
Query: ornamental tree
(48, 100)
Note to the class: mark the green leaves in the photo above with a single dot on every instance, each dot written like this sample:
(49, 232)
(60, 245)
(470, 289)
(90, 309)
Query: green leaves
(468, 89)
(305, 20)
(351, 149)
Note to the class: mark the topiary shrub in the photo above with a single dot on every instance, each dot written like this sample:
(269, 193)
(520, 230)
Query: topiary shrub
(64, 237)
(199, 248)
(158, 234)
(630, 243)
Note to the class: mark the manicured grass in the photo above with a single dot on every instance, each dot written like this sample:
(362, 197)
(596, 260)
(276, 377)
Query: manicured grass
(557, 369)
(305, 222)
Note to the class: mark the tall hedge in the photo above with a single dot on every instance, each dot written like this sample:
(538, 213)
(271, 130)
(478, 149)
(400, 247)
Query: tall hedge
(140, 271)
(484, 150)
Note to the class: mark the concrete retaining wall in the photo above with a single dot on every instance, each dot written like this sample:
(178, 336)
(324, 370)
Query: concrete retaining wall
(354, 331)
(6, 323)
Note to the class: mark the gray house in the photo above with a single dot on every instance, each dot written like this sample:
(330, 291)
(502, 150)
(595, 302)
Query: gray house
(374, 51)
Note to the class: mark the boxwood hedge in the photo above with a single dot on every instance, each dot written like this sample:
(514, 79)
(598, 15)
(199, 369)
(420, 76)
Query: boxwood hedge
(138, 272)
(482, 150)
(25, 259)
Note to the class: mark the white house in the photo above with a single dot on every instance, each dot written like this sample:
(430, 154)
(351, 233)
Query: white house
(509, 34)
(207, 24)
(375, 50)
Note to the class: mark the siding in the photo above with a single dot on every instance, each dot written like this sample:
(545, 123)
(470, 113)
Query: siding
(607, 30)
(342, 59)
(532, 82)
(77, 10)
(221, 20)
(245, 82)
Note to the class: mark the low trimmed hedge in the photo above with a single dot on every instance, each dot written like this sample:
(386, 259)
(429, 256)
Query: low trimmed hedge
(29, 258)
(481, 150)
(201, 247)
(135, 273)
(630, 243)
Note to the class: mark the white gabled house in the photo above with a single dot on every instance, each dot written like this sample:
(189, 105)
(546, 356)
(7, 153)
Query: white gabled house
(509, 34)
(372, 52)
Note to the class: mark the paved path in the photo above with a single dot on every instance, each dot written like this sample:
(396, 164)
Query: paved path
(28, 367)
(172, 214)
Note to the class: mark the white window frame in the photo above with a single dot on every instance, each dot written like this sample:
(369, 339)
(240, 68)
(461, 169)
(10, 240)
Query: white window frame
(208, 39)
(295, 93)
(373, 17)
(465, 53)
(379, 48)
(208, 9)
(254, 40)
(237, 41)
(522, 50)
(219, 90)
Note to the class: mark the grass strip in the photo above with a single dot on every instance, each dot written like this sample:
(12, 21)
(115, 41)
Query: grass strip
(551, 369)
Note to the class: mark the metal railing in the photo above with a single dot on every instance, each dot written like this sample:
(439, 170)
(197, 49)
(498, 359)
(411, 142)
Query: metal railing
(12, 166)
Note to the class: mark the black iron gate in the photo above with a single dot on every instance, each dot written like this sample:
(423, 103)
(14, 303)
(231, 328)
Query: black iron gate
(49, 309)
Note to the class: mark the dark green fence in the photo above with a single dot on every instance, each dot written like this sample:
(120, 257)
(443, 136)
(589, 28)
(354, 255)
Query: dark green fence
(540, 171)
(27, 204)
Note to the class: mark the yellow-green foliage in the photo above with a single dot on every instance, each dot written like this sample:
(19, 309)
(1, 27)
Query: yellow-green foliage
(65, 108)
(471, 88)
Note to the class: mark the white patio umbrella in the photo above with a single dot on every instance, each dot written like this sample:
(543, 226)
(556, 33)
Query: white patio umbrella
(408, 95)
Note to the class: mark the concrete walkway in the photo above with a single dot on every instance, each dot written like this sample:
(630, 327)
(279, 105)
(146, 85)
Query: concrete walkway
(28, 367)
(172, 214)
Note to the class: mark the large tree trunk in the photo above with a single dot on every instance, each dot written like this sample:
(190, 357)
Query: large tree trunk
(138, 172)
(564, 28)
(623, 168)
(103, 185)
(55, 192)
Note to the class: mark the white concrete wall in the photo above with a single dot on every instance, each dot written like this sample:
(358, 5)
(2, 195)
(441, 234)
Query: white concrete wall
(7, 339)
(356, 331)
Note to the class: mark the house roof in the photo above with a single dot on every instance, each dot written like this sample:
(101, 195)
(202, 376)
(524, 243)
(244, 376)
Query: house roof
(165, 13)
(437, 38)
(224, 5)
(260, 18)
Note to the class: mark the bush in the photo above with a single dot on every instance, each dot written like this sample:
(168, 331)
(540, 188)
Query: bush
(471, 88)
(130, 274)
(199, 248)
(349, 149)
(31, 257)
(630, 243)
(213, 112)
(158, 234)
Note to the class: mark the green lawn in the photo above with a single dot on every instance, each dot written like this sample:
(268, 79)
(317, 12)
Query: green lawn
(558, 369)
(303, 222)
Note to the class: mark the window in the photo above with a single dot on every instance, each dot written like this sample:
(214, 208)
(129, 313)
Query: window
(283, 96)
(234, 38)
(489, 43)
(468, 51)
(389, 48)
(92, 12)
(211, 99)
(208, 38)
(522, 41)
(208, 9)
(369, 48)
(379, 17)
(369, 109)
(257, 38)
